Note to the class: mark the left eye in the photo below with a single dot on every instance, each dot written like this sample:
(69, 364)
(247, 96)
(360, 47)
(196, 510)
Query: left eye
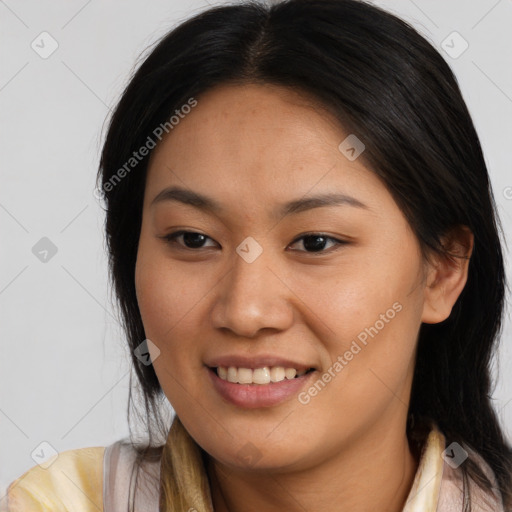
(312, 242)
(316, 242)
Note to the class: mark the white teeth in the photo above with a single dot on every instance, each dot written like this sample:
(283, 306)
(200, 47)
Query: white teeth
(277, 373)
(290, 373)
(244, 375)
(263, 375)
(232, 374)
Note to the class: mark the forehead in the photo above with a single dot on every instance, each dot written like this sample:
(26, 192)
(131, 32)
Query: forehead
(256, 143)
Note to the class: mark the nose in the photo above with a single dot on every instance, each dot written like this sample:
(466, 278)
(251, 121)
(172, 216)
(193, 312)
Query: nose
(252, 297)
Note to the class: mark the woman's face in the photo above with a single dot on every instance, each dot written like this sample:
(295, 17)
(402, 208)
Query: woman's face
(258, 290)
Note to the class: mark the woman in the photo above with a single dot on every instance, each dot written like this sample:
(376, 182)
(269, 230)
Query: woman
(305, 248)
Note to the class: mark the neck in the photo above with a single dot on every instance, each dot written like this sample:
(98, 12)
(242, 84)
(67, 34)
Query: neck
(374, 473)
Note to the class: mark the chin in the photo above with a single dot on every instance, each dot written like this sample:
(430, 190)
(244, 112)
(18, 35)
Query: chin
(252, 456)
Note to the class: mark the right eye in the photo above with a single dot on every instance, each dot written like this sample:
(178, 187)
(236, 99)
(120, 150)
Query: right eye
(190, 239)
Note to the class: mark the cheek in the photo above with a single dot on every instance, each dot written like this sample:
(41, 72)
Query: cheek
(166, 295)
(369, 315)
(163, 305)
(172, 312)
(371, 361)
(358, 296)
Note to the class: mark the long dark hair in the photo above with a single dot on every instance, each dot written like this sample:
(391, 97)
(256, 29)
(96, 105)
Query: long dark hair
(388, 85)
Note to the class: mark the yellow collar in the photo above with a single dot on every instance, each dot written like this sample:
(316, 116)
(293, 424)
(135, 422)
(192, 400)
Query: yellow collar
(424, 493)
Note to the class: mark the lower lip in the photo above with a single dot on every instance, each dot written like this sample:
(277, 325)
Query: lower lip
(252, 396)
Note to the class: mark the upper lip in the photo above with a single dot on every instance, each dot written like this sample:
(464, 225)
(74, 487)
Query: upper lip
(260, 361)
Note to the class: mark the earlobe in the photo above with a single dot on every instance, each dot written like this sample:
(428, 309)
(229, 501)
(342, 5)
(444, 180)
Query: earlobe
(447, 275)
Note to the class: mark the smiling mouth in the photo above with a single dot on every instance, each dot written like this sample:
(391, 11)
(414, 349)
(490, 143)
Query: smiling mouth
(258, 376)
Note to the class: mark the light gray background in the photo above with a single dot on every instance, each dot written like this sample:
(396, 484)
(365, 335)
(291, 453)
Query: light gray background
(63, 367)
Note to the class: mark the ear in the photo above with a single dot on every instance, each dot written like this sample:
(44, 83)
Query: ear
(447, 275)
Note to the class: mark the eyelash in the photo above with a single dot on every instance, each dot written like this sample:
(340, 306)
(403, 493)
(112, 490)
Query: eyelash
(171, 240)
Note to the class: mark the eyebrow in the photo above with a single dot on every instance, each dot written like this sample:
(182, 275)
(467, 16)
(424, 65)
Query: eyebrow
(208, 204)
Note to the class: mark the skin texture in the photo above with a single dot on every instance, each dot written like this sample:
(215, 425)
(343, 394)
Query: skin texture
(252, 148)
